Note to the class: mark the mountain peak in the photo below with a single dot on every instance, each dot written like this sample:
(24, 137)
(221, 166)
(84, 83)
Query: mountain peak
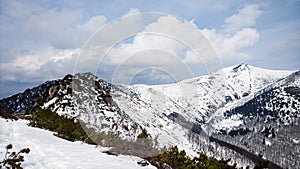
(241, 67)
(86, 74)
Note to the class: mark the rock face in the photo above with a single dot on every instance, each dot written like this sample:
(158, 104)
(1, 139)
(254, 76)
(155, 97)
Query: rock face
(18, 103)
(257, 110)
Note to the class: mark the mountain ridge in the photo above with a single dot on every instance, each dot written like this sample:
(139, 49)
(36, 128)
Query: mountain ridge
(167, 112)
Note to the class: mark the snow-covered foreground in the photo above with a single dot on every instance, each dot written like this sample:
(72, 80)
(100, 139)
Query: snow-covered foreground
(48, 151)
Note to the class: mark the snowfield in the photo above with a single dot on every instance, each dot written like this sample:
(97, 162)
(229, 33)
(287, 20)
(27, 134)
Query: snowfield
(48, 151)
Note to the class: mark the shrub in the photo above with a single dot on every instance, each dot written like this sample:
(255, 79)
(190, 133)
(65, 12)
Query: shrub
(69, 128)
(13, 159)
(64, 127)
(143, 134)
(262, 165)
(173, 158)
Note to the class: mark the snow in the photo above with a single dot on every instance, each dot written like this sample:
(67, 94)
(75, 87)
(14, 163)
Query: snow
(229, 123)
(296, 141)
(268, 142)
(48, 151)
(47, 104)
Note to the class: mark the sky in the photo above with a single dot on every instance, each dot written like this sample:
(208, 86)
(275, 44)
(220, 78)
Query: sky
(150, 42)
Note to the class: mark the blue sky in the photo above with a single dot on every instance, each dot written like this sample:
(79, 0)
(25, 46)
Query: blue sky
(42, 40)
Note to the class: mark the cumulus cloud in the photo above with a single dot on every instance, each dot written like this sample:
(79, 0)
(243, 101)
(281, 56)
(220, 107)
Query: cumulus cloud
(65, 30)
(168, 34)
(244, 17)
(236, 35)
(38, 64)
(143, 42)
(160, 45)
(27, 63)
(229, 46)
(41, 42)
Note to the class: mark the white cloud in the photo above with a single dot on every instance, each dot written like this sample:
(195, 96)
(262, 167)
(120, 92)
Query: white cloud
(132, 11)
(229, 46)
(156, 47)
(166, 34)
(244, 17)
(38, 64)
(108, 37)
(236, 35)
(66, 30)
(63, 55)
(26, 63)
(143, 42)
(45, 41)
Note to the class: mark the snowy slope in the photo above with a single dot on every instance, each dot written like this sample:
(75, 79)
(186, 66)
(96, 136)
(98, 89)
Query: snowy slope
(278, 101)
(197, 100)
(49, 152)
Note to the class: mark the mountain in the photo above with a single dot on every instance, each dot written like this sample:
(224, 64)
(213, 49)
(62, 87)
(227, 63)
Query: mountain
(82, 96)
(269, 121)
(222, 105)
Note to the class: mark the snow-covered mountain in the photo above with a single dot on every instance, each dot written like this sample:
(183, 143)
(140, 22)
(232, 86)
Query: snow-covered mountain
(83, 96)
(171, 114)
(270, 121)
(198, 98)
